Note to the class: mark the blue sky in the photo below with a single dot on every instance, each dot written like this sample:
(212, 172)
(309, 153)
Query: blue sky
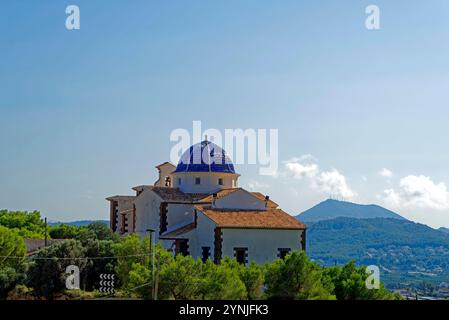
(88, 113)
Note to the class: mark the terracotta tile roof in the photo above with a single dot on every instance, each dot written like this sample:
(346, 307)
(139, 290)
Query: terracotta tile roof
(262, 219)
(260, 196)
(178, 232)
(220, 194)
(143, 187)
(176, 195)
(118, 197)
(166, 162)
(225, 192)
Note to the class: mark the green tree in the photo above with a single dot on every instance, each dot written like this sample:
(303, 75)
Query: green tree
(102, 261)
(12, 260)
(296, 277)
(64, 231)
(222, 281)
(12, 247)
(350, 284)
(180, 278)
(96, 231)
(27, 224)
(9, 278)
(130, 249)
(47, 272)
(140, 277)
(140, 281)
(253, 278)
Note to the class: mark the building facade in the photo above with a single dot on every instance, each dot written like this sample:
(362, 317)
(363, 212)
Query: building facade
(196, 208)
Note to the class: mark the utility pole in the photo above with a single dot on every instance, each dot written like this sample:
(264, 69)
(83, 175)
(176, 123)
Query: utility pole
(152, 253)
(156, 282)
(45, 231)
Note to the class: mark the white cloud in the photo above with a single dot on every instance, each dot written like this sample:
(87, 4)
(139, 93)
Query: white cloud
(300, 171)
(418, 192)
(303, 158)
(334, 183)
(255, 185)
(331, 182)
(386, 173)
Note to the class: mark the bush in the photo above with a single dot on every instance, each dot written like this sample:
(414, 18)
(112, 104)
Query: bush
(12, 248)
(64, 231)
(9, 278)
(27, 224)
(21, 292)
(103, 251)
(350, 284)
(47, 272)
(296, 277)
(130, 249)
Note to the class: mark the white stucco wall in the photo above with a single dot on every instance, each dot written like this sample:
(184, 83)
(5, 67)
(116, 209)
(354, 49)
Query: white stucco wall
(123, 204)
(209, 181)
(262, 244)
(147, 212)
(165, 170)
(202, 236)
(179, 215)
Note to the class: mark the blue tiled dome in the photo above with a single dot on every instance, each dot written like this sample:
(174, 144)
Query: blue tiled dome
(205, 157)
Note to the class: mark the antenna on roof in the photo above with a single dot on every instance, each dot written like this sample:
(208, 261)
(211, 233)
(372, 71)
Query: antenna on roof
(214, 197)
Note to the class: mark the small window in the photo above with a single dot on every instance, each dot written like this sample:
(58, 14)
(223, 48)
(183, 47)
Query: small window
(283, 252)
(197, 180)
(205, 253)
(220, 181)
(241, 255)
(179, 181)
(182, 247)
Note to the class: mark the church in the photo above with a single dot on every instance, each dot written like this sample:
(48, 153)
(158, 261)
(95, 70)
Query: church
(197, 208)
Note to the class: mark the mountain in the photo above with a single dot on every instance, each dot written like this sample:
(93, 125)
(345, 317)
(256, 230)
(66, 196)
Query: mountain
(330, 209)
(443, 229)
(406, 252)
(78, 222)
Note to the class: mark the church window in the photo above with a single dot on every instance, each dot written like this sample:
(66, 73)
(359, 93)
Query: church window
(220, 181)
(197, 180)
(283, 252)
(206, 253)
(241, 255)
(179, 181)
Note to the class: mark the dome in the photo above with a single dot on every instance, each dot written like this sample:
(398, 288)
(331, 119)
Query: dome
(205, 157)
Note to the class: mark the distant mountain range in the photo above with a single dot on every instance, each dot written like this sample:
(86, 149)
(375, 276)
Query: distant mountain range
(406, 252)
(77, 222)
(330, 209)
